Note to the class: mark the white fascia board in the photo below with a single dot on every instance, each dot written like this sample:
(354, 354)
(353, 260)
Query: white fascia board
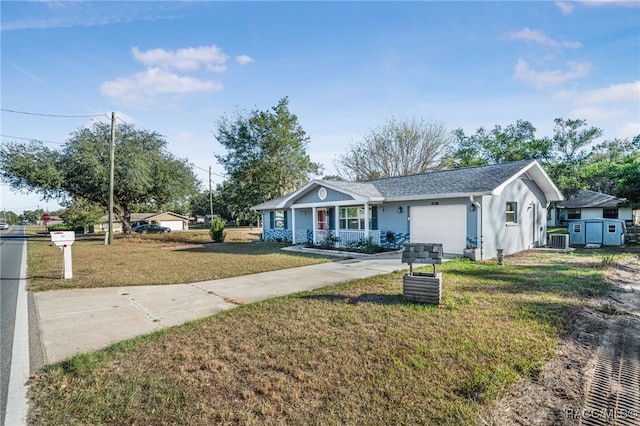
(437, 196)
(342, 203)
(540, 177)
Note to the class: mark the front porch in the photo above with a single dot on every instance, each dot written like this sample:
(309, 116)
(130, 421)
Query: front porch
(345, 238)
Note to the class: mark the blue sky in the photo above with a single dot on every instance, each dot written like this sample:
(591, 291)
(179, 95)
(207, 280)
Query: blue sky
(177, 67)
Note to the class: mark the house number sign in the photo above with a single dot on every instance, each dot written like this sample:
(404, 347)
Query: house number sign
(322, 193)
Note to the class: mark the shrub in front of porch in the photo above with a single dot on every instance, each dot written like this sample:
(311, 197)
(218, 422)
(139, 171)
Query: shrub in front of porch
(365, 245)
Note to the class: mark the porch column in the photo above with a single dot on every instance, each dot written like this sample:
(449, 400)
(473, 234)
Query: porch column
(336, 213)
(366, 220)
(293, 225)
(314, 221)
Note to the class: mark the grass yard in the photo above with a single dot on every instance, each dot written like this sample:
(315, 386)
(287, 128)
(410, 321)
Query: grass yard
(356, 353)
(178, 257)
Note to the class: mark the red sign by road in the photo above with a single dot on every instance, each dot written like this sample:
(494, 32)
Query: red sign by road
(46, 217)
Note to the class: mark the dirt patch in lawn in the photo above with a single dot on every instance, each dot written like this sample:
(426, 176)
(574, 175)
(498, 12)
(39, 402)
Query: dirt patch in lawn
(596, 377)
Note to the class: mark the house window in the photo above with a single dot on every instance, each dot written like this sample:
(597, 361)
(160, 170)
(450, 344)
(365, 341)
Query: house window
(322, 219)
(278, 219)
(512, 212)
(577, 228)
(610, 213)
(573, 214)
(353, 218)
(612, 229)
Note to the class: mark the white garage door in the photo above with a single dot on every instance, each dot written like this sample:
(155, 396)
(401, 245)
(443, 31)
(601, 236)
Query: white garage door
(440, 224)
(175, 225)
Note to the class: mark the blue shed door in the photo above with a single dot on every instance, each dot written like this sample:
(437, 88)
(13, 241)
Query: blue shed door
(593, 232)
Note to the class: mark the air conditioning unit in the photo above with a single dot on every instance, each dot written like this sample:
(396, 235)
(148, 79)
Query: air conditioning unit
(559, 241)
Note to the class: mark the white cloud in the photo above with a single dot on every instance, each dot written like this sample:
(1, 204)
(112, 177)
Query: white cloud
(624, 3)
(543, 79)
(186, 59)
(595, 114)
(244, 59)
(565, 7)
(629, 130)
(527, 34)
(154, 81)
(613, 93)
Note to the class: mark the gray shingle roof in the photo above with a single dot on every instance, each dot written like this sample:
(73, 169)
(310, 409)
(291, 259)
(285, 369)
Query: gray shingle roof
(587, 198)
(456, 181)
(271, 204)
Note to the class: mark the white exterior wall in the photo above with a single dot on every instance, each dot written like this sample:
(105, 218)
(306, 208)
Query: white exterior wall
(513, 238)
(590, 213)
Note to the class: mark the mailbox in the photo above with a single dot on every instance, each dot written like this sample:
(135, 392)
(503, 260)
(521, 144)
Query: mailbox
(429, 253)
(63, 238)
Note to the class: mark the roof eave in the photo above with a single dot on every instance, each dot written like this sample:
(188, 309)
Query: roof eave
(540, 177)
(438, 196)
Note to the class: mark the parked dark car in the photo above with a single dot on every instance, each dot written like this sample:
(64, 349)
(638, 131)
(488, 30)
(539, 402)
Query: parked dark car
(152, 229)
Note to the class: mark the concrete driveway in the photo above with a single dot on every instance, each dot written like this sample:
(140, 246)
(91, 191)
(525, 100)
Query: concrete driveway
(78, 321)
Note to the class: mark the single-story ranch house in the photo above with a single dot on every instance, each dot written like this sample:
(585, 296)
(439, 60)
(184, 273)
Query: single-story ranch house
(501, 206)
(175, 221)
(591, 205)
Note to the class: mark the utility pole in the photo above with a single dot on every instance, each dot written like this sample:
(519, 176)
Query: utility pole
(210, 197)
(111, 174)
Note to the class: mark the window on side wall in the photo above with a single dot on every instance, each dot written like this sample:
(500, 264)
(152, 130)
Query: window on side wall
(278, 219)
(512, 212)
(573, 214)
(612, 229)
(610, 213)
(577, 228)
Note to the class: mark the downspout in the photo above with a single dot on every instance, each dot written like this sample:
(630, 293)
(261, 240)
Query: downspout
(478, 219)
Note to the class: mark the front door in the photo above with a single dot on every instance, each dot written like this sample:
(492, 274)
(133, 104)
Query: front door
(322, 220)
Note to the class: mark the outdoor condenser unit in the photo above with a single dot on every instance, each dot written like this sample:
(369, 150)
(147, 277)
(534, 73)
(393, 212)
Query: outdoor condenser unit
(559, 241)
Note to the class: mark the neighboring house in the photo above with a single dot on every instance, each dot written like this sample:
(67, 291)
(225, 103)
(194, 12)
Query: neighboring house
(590, 205)
(175, 221)
(502, 206)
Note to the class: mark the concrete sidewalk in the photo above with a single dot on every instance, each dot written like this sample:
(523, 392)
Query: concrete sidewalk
(77, 321)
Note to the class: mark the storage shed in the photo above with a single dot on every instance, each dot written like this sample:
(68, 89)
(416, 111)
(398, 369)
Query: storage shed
(606, 232)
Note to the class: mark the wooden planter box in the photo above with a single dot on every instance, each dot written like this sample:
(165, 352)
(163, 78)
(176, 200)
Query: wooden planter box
(422, 287)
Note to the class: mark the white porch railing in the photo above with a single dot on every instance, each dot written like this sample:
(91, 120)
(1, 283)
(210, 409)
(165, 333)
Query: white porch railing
(348, 236)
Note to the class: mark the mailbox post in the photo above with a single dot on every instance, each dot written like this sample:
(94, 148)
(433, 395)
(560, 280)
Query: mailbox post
(64, 240)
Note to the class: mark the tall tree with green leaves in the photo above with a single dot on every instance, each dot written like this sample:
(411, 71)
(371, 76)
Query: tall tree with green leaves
(145, 173)
(512, 143)
(399, 147)
(570, 141)
(266, 156)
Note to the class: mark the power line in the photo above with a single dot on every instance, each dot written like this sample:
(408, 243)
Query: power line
(32, 139)
(53, 115)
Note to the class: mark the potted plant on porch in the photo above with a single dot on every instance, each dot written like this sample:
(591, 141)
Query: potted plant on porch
(472, 252)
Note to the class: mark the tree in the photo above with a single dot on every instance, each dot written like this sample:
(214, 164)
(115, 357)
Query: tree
(513, 143)
(397, 148)
(81, 213)
(144, 172)
(566, 166)
(266, 157)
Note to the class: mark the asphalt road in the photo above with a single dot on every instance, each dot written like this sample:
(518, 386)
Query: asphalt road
(14, 336)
